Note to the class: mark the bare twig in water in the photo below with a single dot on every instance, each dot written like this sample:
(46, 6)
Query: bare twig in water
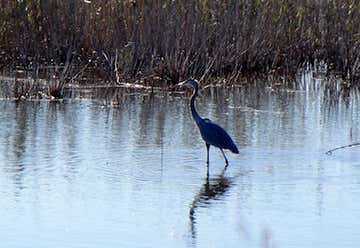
(342, 147)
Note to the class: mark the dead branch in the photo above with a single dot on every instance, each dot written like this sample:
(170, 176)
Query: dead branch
(342, 147)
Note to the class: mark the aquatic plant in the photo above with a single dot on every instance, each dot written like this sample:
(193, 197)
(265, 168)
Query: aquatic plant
(137, 39)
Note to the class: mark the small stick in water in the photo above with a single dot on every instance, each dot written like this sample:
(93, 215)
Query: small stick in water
(342, 147)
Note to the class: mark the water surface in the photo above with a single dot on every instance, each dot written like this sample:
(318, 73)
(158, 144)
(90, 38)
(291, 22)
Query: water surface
(81, 173)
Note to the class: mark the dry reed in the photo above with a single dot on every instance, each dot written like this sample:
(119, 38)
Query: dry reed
(169, 40)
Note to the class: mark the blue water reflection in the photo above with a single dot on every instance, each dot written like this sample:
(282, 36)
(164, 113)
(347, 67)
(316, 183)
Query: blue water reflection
(81, 173)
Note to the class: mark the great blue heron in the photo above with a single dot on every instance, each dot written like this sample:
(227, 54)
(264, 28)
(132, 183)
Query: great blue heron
(211, 133)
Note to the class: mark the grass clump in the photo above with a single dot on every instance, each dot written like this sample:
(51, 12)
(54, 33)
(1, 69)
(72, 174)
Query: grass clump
(119, 40)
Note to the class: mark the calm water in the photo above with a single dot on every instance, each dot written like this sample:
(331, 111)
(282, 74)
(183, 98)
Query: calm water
(79, 173)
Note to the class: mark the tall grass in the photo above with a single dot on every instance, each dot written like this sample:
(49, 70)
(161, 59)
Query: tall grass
(144, 39)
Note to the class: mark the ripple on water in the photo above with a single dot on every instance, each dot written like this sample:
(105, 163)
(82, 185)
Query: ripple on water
(96, 176)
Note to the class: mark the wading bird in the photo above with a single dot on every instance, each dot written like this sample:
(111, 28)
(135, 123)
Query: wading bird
(212, 134)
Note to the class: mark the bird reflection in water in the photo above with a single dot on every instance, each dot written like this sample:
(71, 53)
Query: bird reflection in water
(213, 189)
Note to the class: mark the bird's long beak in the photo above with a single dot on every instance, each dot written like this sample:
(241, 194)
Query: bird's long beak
(182, 85)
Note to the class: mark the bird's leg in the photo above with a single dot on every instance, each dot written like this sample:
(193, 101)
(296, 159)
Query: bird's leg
(207, 153)
(226, 161)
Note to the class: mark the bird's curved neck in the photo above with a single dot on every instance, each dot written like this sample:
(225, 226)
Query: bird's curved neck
(194, 113)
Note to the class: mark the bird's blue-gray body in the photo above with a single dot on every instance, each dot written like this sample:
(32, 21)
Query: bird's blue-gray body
(216, 136)
(212, 134)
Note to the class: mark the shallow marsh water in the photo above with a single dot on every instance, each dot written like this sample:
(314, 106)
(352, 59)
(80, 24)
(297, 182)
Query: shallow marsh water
(80, 173)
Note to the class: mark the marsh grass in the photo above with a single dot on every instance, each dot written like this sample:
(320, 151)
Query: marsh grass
(22, 90)
(19, 89)
(170, 40)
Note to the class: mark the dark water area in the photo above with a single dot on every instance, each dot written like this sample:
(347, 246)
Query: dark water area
(84, 173)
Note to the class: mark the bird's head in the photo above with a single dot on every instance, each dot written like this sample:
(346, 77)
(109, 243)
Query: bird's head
(190, 83)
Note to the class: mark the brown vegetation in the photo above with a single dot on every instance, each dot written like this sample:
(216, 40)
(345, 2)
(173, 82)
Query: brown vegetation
(120, 40)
